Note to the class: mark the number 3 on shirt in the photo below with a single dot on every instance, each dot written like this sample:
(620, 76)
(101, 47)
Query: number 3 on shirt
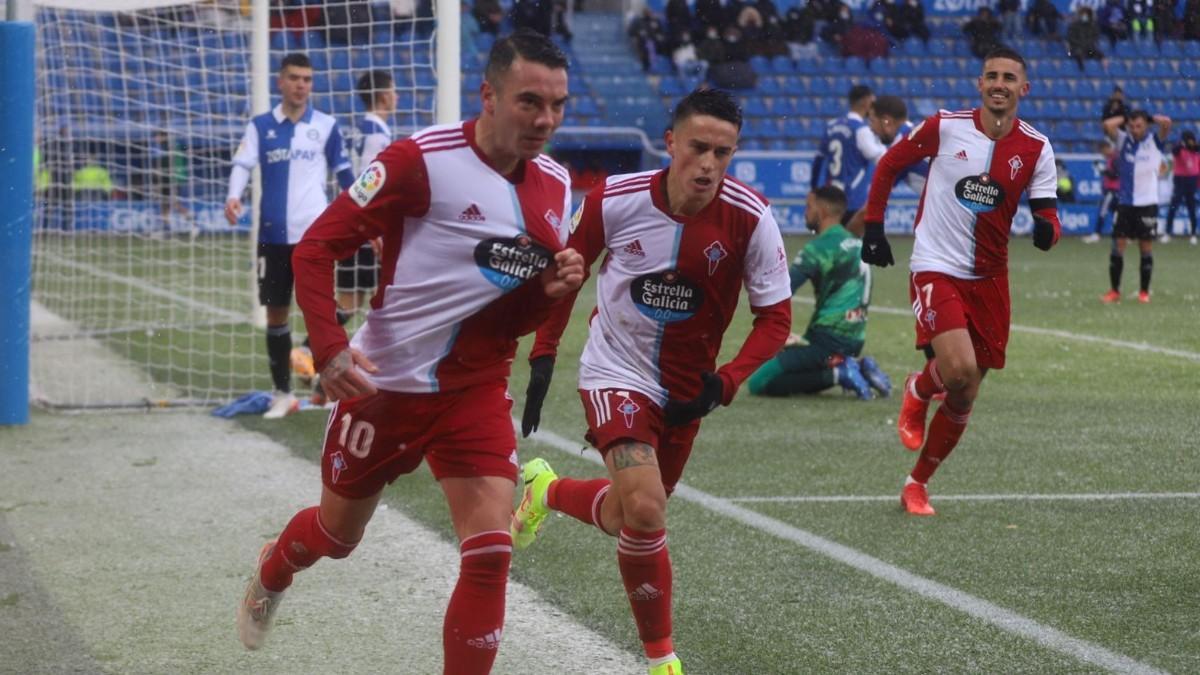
(356, 437)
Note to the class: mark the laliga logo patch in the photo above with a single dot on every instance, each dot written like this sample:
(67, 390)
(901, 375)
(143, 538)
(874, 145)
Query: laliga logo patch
(666, 296)
(577, 216)
(368, 184)
(509, 262)
(979, 194)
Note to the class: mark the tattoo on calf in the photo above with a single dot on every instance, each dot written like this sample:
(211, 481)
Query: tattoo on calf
(626, 455)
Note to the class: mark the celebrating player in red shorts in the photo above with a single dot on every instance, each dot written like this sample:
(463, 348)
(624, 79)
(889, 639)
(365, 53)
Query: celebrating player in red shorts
(981, 162)
(681, 242)
(473, 220)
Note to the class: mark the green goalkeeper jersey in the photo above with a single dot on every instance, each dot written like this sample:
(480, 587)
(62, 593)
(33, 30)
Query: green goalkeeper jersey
(841, 283)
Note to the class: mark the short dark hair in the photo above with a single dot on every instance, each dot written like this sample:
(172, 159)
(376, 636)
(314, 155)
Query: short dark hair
(833, 197)
(857, 93)
(892, 106)
(1142, 113)
(712, 102)
(527, 44)
(1006, 53)
(297, 59)
(372, 83)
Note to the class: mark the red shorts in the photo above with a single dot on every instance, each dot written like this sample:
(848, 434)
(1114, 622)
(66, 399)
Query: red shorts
(619, 415)
(942, 303)
(371, 441)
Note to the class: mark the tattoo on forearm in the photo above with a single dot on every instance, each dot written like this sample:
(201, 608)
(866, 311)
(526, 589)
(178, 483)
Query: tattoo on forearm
(338, 365)
(626, 455)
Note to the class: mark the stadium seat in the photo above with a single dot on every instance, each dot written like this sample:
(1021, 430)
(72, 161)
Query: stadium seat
(781, 65)
(339, 58)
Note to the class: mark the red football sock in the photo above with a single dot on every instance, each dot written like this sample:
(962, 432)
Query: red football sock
(929, 382)
(946, 428)
(646, 572)
(302, 543)
(475, 617)
(580, 499)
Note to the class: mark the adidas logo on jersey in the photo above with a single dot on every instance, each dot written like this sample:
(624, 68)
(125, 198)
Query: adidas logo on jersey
(961, 154)
(635, 248)
(645, 592)
(471, 214)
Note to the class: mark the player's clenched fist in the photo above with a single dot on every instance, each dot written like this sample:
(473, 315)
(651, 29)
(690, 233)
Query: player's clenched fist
(233, 210)
(566, 276)
(875, 247)
(342, 377)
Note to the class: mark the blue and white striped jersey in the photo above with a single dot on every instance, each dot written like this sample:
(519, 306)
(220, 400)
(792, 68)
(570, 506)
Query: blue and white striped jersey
(1138, 163)
(848, 152)
(296, 160)
(373, 135)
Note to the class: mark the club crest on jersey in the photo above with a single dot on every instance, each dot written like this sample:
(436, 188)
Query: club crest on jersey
(510, 262)
(313, 135)
(1015, 164)
(628, 409)
(714, 254)
(979, 194)
(368, 184)
(666, 296)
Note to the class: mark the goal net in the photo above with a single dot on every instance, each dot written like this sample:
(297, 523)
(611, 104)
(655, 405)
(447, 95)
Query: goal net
(140, 105)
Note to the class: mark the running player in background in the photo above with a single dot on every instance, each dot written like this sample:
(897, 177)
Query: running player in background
(295, 146)
(826, 356)
(1139, 165)
(473, 224)
(851, 145)
(681, 242)
(981, 162)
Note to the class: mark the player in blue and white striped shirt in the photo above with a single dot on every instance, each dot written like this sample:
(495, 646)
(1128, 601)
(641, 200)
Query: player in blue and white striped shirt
(296, 148)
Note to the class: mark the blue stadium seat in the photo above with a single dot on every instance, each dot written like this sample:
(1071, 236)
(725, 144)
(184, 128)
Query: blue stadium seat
(912, 47)
(760, 64)
(767, 84)
(361, 58)
(781, 65)
(321, 83)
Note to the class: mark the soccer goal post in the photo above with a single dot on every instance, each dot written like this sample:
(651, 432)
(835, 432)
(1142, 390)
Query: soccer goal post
(140, 105)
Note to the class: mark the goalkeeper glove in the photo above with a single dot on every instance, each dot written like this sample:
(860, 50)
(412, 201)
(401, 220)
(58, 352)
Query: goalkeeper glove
(1043, 232)
(875, 247)
(541, 370)
(678, 413)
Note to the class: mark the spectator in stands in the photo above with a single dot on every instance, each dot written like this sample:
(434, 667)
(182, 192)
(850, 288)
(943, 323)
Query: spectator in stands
(649, 37)
(1166, 25)
(1010, 18)
(865, 41)
(1083, 37)
(1187, 173)
(774, 40)
(1191, 20)
(836, 27)
(910, 20)
(735, 72)
(1065, 185)
(799, 27)
(1141, 21)
(1114, 22)
(468, 31)
(713, 14)
(489, 14)
(750, 23)
(535, 15)
(687, 61)
(679, 20)
(561, 25)
(1115, 105)
(736, 49)
(983, 30)
(711, 49)
(1043, 17)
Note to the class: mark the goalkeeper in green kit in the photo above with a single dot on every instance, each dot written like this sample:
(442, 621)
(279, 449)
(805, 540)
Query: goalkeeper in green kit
(827, 354)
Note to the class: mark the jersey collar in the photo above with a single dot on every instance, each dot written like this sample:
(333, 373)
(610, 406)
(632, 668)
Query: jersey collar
(658, 197)
(517, 175)
(277, 113)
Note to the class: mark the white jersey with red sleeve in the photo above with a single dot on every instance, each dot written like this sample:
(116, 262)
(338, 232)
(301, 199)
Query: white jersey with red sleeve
(460, 241)
(669, 286)
(972, 193)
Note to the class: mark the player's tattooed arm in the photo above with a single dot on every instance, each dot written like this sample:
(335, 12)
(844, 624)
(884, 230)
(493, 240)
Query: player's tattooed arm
(626, 455)
(342, 378)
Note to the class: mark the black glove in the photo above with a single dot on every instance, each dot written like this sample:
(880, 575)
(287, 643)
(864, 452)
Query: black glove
(678, 413)
(875, 247)
(541, 370)
(1043, 232)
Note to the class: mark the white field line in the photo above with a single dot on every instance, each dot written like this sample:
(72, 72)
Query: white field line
(1002, 618)
(1066, 335)
(1080, 497)
(149, 288)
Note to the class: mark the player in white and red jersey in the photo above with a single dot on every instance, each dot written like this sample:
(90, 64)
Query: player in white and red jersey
(472, 218)
(682, 242)
(981, 161)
